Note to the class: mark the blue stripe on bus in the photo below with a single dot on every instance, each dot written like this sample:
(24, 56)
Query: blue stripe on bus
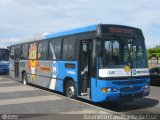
(73, 31)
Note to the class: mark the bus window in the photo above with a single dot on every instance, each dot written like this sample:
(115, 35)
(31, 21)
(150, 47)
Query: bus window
(111, 52)
(71, 48)
(55, 49)
(33, 51)
(123, 51)
(43, 50)
(68, 48)
(17, 52)
(65, 49)
(4, 55)
(137, 54)
(24, 54)
(12, 53)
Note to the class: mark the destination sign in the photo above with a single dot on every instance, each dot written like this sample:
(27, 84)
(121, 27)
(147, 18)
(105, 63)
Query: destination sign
(120, 30)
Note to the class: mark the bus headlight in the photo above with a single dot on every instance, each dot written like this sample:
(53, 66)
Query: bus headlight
(109, 90)
(146, 86)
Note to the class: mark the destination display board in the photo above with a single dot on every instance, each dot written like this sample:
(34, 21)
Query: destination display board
(120, 30)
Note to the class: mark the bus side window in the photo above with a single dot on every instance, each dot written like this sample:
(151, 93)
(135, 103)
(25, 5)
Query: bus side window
(55, 49)
(43, 50)
(71, 48)
(17, 52)
(68, 48)
(65, 49)
(24, 54)
(33, 51)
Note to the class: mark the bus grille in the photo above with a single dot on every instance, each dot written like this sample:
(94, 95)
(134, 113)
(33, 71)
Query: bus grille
(131, 82)
(130, 89)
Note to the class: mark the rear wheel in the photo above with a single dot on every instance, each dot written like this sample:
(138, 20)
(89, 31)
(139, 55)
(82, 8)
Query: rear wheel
(70, 89)
(24, 79)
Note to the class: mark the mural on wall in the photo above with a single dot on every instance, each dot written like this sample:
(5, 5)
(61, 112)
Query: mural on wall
(33, 63)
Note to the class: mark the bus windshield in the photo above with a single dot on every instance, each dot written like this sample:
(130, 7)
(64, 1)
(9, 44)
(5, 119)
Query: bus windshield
(121, 51)
(4, 55)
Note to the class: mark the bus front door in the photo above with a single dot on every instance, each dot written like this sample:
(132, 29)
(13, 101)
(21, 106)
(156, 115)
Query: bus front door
(84, 69)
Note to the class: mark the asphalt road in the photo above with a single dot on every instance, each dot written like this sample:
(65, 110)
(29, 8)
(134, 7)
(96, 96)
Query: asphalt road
(16, 98)
(21, 99)
(146, 105)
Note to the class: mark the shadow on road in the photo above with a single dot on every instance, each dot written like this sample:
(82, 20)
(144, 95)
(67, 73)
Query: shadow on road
(136, 104)
(4, 74)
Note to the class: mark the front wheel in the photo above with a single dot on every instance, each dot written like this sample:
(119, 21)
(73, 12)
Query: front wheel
(70, 89)
(24, 79)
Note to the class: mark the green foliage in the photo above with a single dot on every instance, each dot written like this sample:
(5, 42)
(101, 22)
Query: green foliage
(154, 52)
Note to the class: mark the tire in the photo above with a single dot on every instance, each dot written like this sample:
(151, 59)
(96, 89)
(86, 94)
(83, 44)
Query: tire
(7, 73)
(70, 89)
(24, 79)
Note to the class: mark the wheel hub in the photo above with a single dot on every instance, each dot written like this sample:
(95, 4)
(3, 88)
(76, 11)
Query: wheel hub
(70, 91)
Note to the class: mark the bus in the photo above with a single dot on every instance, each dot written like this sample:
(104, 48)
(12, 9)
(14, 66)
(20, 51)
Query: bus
(4, 61)
(100, 63)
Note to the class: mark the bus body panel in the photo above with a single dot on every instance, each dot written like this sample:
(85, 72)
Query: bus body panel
(68, 69)
(44, 73)
(61, 71)
(11, 68)
(50, 74)
(123, 92)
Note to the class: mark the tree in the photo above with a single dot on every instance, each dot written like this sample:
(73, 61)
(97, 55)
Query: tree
(154, 52)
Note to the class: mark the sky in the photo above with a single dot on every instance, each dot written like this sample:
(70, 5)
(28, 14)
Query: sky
(21, 19)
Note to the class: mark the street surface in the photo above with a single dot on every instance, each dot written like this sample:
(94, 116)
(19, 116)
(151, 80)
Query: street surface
(146, 105)
(20, 99)
(16, 98)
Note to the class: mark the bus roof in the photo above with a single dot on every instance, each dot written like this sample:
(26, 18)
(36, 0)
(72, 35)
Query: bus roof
(73, 31)
(89, 28)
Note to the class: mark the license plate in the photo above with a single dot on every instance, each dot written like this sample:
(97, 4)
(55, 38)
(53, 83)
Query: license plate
(145, 91)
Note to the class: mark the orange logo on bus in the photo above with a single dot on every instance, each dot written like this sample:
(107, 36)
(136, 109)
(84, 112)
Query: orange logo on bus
(43, 68)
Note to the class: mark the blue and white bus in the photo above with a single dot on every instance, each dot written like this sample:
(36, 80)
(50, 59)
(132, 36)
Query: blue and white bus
(100, 63)
(4, 61)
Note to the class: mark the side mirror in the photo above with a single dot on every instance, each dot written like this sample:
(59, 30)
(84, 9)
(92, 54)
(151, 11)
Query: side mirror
(98, 49)
(9, 49)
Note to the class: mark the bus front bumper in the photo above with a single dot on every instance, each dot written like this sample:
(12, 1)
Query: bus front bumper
(127, 96)
(103, 91)
(4, 69)
(134, 95)
(120, 96)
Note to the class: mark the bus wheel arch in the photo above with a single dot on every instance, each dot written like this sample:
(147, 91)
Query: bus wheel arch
(24, 78)
(69, 87)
